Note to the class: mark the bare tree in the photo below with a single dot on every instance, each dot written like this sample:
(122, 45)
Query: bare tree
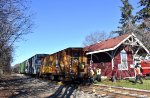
(15, 22)
(95, 37)
(138, 24)
(142, 33)
(143, 21)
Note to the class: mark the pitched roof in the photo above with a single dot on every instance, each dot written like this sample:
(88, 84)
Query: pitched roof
(112, 44)
(106, 44)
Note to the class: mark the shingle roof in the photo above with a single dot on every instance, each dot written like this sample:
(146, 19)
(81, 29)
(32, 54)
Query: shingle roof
(106, 44)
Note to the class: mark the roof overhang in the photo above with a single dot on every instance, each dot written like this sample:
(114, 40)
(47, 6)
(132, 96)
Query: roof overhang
(113, 48)
(93, 52)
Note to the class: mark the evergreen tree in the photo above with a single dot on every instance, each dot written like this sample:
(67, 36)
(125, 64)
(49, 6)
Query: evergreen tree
(143, 16)
(143, 21)
(127, 18)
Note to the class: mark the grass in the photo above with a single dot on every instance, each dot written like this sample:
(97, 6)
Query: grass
(128, 83)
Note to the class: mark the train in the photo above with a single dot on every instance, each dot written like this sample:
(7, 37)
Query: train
(69, 64)
(66, 65)
(32, 65)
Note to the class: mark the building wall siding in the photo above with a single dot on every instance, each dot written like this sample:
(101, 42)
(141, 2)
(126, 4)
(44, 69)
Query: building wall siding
(106, 66)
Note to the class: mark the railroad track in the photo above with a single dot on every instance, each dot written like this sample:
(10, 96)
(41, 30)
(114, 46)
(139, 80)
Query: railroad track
(110, 91)
(115, 92)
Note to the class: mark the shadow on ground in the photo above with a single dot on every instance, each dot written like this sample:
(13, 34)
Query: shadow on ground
(31, 87)
(132, 80)
(64, 91)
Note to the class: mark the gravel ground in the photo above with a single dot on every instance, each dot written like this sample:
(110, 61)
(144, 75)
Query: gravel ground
(19, 86)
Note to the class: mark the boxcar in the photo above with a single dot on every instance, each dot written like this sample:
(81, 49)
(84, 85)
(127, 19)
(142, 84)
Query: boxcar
(22, 67)
(68, 64)
(32, 65)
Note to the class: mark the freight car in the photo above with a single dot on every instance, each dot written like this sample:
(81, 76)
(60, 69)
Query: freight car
(32, 65)
(68, 64)
(22, 67)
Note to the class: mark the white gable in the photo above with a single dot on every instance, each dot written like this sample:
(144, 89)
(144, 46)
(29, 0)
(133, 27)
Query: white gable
(133, 42)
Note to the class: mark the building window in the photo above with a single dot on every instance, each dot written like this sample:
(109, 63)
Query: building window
(124, 63)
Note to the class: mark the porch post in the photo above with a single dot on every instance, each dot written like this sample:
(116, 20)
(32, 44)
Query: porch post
(112, 60)
(91, 62)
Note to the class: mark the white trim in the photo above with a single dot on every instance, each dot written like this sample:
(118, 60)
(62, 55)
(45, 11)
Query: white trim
(100, 51)
(124, 53)
(112, 63)
(122, 41)
(141, 44)
(109, 49)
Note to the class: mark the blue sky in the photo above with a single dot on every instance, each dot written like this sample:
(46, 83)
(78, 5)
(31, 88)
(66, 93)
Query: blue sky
(65, 23)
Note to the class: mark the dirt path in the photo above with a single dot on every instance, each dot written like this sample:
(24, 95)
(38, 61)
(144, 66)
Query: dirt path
(24, 86)
(17, 86)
